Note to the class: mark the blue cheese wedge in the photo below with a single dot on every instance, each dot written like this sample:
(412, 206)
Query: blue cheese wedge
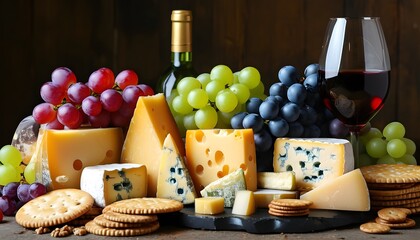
(174, 180)
(226, 187)
(113, 182)
(313, 160)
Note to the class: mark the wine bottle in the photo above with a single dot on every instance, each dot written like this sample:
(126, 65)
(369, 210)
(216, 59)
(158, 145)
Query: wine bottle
(181, 53)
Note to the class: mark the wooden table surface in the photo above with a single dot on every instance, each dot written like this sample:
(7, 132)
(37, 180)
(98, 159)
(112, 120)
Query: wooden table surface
(9, 229)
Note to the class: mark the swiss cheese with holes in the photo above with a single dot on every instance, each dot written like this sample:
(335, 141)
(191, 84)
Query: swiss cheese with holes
(214, 153)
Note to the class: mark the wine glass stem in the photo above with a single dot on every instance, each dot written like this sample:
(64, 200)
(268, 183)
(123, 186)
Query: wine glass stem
(354, 140)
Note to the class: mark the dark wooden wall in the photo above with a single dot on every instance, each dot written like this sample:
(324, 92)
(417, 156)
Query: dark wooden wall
(38, 36)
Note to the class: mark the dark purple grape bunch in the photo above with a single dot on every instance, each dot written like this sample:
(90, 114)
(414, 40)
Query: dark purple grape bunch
(14, 195)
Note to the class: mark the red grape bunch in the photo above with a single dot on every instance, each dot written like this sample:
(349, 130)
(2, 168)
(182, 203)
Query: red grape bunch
(103, 101)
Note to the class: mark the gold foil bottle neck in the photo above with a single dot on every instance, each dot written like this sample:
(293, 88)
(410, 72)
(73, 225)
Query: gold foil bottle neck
(181, 31)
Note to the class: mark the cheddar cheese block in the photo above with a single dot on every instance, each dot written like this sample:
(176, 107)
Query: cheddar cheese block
(244, 203)
(65, 153)
(114, 182)
(263, 197)
(347, 192)
(149, 126)
(313, 160)
(209, 205)
(214, 153)
(174, 180)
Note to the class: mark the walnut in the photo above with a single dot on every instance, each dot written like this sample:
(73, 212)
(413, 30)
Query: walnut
(42, 230)
(62, 232)
(80, 231)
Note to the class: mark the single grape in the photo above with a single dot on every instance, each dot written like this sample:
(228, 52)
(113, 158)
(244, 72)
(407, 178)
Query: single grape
(10, 190)
(111, 100)
(338, 129)
(407, 159)
(8, 174)
(69, 116)
(296, 93)
(376, 147)
(103, 119)
(126, 78)
(189, 121)
(253, 121)
(44, 113)
(10, 155)
(396, 148)
(290, 112)
(258, 91)
(241, 91)
(101, 80)
(126, 110)
(308, 116)
(147, 90)
(52, 93)
(226, 101)
(250, 77)
(213, 88)
(411, 146)
(263, 140)
(187, 84)
(311, 83)
(197, 98)
(237, 119)
(253, 105)
(29, 172)
(180, 105)
(37, 189)
(91, 106)
(206, 118)
(288, 75)
(373, 132)
(278, 89)
(311, 69)
(63, 77)
(131, 94)
(278, 127)
(7, 206)
(269, 109)
(386, 160)
(394, 130)
(119, 120)
(295, 130)
(23, 193)
(222, 74)
(204, 79)
(55, 124)
(77, 92)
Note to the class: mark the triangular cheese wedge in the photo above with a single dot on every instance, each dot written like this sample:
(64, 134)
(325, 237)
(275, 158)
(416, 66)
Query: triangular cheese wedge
(347, 192)
(174, 180)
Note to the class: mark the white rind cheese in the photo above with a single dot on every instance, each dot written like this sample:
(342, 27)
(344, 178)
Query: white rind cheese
(113, 182)
(314, 160)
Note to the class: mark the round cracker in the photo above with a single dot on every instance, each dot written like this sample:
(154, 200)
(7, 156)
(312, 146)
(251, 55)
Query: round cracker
(391, 173)
(129, 218)
(146, 206)
(285, 214)
(291, 203)
(96, 229)
(102, 221)
(393, 215)
(373, 227)
(408, 223)
(54, 208)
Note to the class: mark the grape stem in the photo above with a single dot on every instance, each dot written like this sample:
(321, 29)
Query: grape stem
(354, 140)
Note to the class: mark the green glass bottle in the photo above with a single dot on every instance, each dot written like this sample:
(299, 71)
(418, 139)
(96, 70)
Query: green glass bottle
(181, 53)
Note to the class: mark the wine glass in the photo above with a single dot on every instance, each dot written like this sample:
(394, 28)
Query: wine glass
(354, 70)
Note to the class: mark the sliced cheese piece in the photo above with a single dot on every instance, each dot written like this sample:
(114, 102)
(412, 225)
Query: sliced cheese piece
(347, 192)
(174, 180)
(114, 182)
(226, 187)
(214, 153)
(276, 180)
(244, 203)
(149, 126)
(263, 197)
(314, 160)
(209, 205)
(65, 153)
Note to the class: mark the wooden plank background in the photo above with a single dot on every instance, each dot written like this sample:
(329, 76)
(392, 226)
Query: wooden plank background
(38, 36)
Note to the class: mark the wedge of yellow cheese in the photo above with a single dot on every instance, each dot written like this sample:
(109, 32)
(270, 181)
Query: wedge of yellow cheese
(209, 205)
(347, 192)
(214, 153)
(152, 121)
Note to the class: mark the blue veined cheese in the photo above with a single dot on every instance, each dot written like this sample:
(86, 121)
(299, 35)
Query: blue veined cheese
(109, 183)
(226, 187)
(174, 180)
(314, 160)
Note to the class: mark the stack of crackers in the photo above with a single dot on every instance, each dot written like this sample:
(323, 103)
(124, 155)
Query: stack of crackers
(393, 185)
(131, 217)
(387, 219)
(289, 207)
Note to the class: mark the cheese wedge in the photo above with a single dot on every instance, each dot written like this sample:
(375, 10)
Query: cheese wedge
(313, 160)
(347, 192)
(174, 180)
(244, 203)
(149, 126)
(114, 182)
(209, 205)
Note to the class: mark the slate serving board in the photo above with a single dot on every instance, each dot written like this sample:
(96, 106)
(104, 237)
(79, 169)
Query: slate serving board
(262, 222)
